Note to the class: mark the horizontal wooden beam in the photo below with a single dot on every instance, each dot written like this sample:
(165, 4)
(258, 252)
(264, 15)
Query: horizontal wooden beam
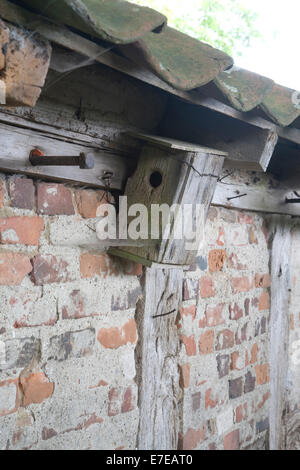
(173, 144)
(266, 195)
(66, 38)
(14, 158)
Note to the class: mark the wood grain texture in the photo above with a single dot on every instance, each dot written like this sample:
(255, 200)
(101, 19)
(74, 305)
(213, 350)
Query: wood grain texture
(187, 178)
(157, 360)
(174, 144)
(19, 142)
(256, 198)
(279, 337)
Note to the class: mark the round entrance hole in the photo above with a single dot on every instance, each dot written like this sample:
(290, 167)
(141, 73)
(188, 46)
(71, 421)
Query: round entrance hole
(155, 179)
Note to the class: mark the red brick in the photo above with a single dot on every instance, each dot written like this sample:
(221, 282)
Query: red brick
(48, 433)
(101, 383)
(188, 311)
(254, 354)
(262, 374)
(184, 371)
(21, 230)
(210, 402)
(216, 260)
(13, 268)
(114, 337)
(190, 345)
(221, 237)
(241, 413)
(264, 301)
(9, 397)
(114, 405)
(206, 342)
(128, 403)
(264, 399)
(36, 388)
(22, 193)
(232, 440)
(234, 262)
(49, 269)
(225, 339)
(214, 315)
(237, 360)
(235, 312)
(250, 381)
(240, 284)
(97, 265)
(88, 201)
(207, 287)
(192, 438)
(262, 280)
(235, 388)
(54, 199)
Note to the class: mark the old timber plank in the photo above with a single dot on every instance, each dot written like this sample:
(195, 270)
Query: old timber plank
(157, 359)
(256, 192)
(19, 142)
(280, 284)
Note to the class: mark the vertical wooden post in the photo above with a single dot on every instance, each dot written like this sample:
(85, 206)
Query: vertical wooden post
(157, 359)
(279, 337)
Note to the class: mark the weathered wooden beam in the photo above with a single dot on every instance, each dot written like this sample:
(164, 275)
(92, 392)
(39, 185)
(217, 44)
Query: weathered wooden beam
(268, 193)
(64, 37)
(279, 319)
(14, 157)
(24, 64)
(157, 359)
(256, 198)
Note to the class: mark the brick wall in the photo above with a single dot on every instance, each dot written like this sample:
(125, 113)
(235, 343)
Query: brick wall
(224, 327)
(68, 333)
(67, 328)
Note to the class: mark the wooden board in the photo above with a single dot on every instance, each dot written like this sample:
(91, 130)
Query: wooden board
(279, 326)
(255, 199)
(157, 360)
(174, 144)
(17, 143)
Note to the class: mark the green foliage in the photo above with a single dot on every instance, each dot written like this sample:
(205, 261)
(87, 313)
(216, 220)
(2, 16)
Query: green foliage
(224, 24)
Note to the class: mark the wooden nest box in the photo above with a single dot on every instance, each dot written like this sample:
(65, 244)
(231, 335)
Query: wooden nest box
(169, 173)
